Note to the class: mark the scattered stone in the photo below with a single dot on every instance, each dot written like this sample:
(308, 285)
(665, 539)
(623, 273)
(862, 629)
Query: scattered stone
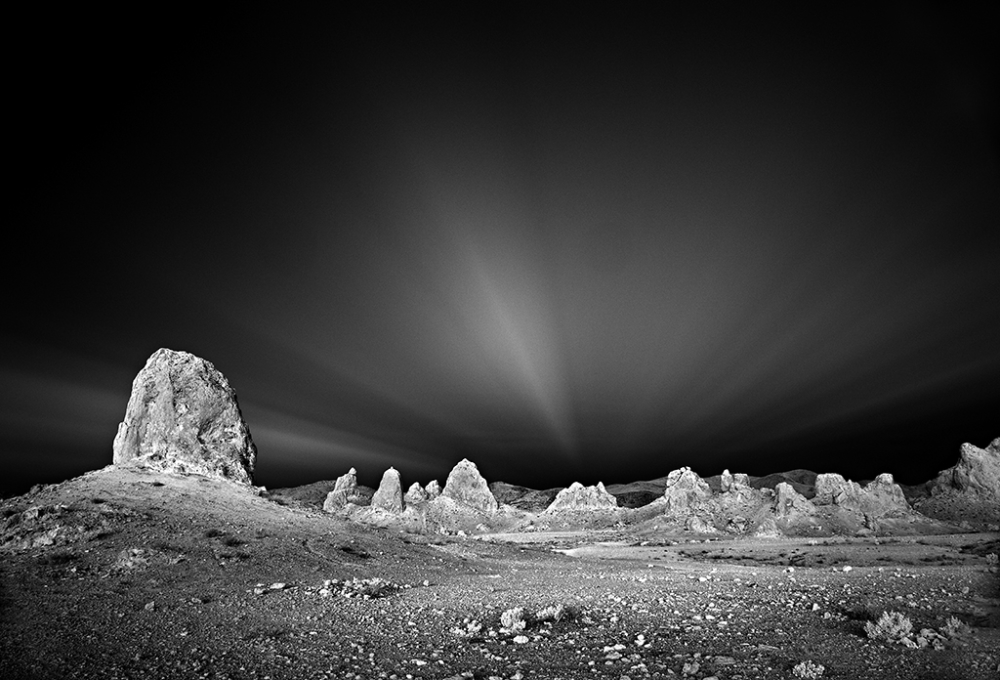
(183, 417)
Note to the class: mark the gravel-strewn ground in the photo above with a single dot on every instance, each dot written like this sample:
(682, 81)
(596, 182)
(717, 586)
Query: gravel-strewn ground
(151, 576)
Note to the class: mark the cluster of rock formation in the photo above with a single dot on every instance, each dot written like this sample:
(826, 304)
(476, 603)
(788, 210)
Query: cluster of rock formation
(465, 487)
(578, 497)
(183, 417)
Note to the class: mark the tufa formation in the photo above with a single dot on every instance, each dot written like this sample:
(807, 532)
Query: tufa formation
(182, 416)
(465, 485)
(580, 497)
(389, 496)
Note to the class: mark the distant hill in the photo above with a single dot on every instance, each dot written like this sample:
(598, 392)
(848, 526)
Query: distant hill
(803, 481)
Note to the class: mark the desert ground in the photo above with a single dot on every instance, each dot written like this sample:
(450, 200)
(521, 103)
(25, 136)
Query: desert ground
(132, 573)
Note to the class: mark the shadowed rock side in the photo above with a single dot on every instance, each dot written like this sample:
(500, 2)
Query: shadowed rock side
(182, 416)
(466, 486)
(580, 497)
(522, 497)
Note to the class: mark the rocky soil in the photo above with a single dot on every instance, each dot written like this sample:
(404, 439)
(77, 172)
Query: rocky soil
(131, 573)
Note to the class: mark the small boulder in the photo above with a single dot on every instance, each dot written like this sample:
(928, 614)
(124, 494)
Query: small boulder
(389, 495)
(183, 417)
(465, 485)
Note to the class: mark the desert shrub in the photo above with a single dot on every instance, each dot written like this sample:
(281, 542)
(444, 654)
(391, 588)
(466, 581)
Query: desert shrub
(214, 533)
(890, 627)
(551, 613)
(991, 559)
(512, 620)
(808, 669)
(470, 629)
(954, 627)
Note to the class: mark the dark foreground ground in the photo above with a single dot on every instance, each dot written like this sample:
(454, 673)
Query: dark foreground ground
(130, 575)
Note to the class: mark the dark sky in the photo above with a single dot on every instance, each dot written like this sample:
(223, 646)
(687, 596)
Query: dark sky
(565, 245)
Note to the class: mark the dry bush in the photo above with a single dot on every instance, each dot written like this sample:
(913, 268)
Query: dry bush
(808, 670)
(954, 627)
(890, 627)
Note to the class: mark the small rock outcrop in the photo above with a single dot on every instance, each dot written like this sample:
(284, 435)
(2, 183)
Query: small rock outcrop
(580, 497)
(465, 485)
(345, 491)
(389, 495)
(183, 417)
(684, 489)
(977, 474)
(433, 489)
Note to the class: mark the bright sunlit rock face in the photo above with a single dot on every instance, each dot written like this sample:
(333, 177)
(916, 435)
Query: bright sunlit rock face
(183, 416)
